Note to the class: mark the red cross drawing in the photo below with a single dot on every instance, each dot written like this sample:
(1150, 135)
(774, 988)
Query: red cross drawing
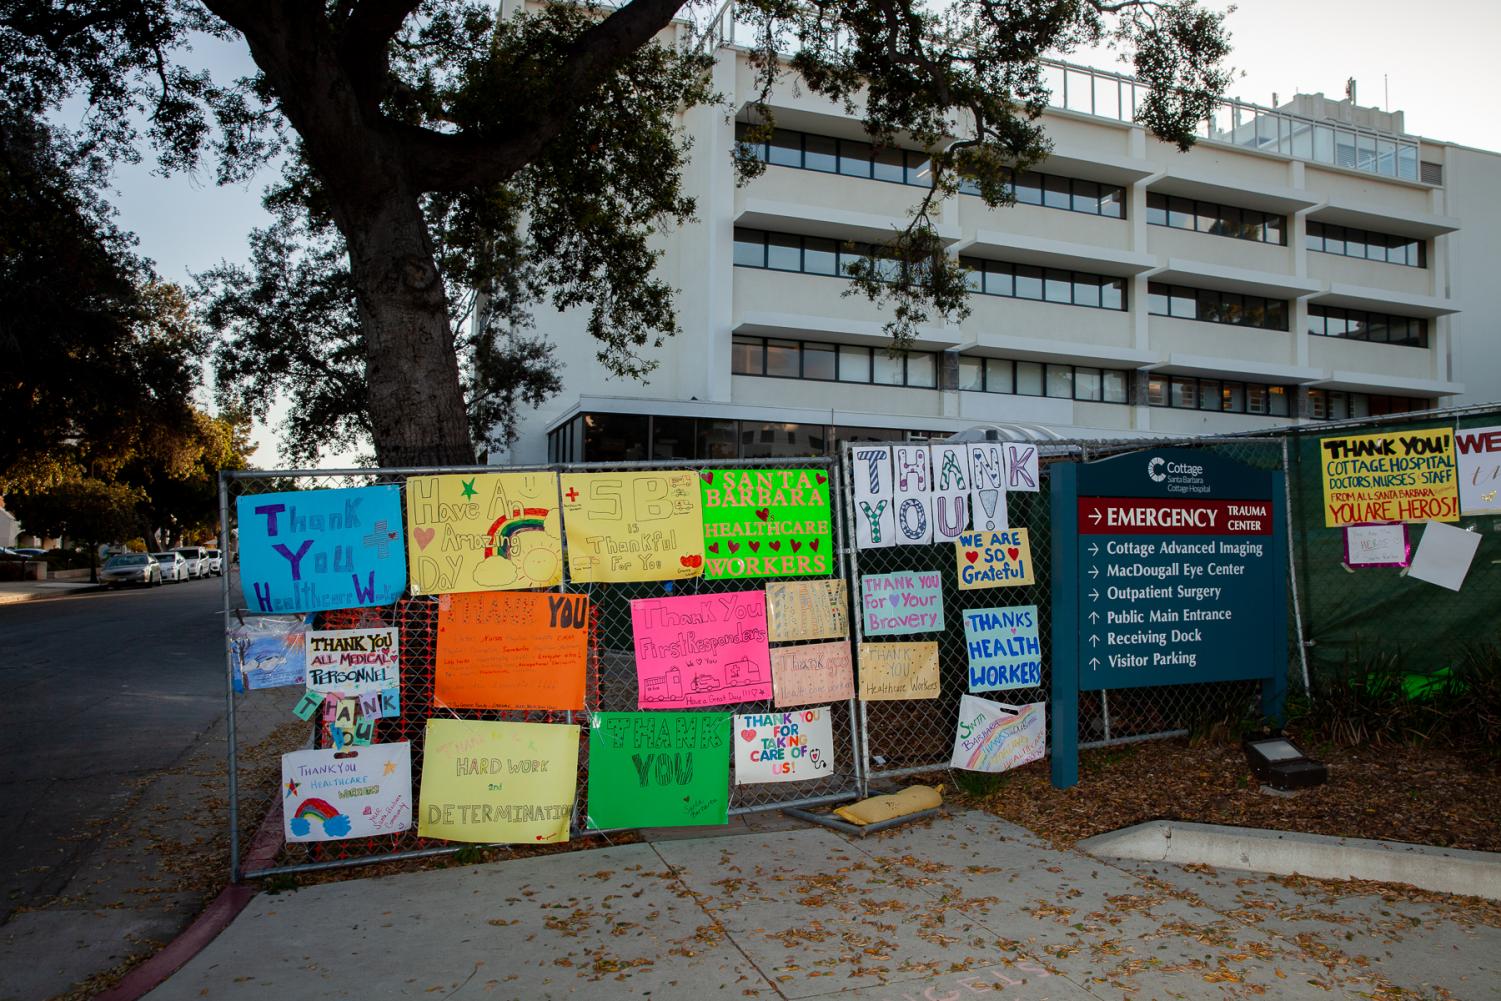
(572, 495)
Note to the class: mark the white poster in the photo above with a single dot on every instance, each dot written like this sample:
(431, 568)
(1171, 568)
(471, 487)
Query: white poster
(987, 486)
(1479, 454)
(784, 747)
(914, 494)
(950, 491)
(359, 792)
(353, 661)
(874, 496)
(1444, 555)
(1376, 546)
(996, 737)
(1021, 466)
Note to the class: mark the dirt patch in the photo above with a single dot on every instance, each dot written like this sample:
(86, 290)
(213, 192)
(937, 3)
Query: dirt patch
(1395, 793)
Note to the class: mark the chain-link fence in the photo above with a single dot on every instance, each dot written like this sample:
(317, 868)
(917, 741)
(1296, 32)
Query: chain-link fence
(1337, 614)
(611, 679)
(1352, 618)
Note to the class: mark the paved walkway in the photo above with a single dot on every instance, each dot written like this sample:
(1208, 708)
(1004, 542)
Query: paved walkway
(954, 908)
(12, 591)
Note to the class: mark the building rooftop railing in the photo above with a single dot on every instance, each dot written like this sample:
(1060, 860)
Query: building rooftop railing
(1116, 97)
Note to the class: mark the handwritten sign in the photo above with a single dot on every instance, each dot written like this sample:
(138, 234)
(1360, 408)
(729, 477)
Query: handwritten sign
(501, 783)
(1376, 546)
(658, 769)
(312, 550)
(874, 496)
(993, 737)
(1004, 648)
(987, 486)
(913, 471)
(994, 559)
(633, 526)
(1395, 476)
(483, 532)
(511, 650)
(362, 792)
(701, 650)
(806, 610)
(891, 671)
(1479, 470)
(1021, 467)
(784, 747)
(812, 672)
(353, 661)
(766, 523)
(950, 491)
(899, 604)
(267, 652)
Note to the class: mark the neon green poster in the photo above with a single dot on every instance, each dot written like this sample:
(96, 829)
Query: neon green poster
(658, 769)
(767, 523)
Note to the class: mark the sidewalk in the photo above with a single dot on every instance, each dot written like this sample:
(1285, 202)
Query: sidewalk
(12, 591)
(952, 908)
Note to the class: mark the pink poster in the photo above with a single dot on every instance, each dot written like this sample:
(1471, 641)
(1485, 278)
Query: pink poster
(701, 650)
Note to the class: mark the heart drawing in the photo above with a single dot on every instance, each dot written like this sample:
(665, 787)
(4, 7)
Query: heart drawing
(764, 513)
(971, 555)
(747, 735)
(775, 545)
(707, 477)
(1012, 553)
(423, 536)
(714, 548)
(692, 562)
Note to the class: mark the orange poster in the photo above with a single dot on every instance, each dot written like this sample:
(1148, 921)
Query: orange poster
(511, 650)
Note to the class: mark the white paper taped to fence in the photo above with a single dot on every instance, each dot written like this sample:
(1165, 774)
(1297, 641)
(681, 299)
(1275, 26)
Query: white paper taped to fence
(950, 491)
(329, 795)
(1444, 555)
(995, 737)
(874, 497)
(1021, 466)
(987, 486)
(914, 495)
(784, 746)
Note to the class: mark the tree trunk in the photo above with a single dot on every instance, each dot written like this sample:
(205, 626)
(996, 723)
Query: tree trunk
(417, 410)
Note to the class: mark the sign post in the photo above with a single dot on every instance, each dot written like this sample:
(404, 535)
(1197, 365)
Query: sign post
(1169, 568)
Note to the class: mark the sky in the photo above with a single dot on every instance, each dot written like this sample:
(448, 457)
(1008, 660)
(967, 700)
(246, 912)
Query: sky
(1436, 61)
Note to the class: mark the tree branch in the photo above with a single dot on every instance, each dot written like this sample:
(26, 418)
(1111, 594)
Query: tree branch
(362, 47)
(442, 162)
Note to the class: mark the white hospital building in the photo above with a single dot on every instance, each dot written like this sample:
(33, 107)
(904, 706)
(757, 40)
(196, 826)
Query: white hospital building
(1302, 263)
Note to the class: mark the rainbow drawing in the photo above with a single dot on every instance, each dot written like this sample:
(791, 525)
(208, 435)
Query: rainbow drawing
(530, 519)
(334, 823)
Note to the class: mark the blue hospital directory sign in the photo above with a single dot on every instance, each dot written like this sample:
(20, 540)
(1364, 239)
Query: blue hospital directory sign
(1170, 568)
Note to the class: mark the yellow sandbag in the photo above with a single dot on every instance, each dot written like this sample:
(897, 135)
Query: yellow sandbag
(912, 799)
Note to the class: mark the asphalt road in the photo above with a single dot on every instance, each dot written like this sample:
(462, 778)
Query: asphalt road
(96, 691)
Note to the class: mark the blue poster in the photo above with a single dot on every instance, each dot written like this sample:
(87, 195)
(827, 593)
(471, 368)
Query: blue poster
(312, 550)
(1004, 651)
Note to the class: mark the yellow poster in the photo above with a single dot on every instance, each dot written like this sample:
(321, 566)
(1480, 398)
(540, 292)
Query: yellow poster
(806, 610)
(510, 783)
(633, 526)
(483, 532)
(994, 559)
(1394, 476)
(890, 671)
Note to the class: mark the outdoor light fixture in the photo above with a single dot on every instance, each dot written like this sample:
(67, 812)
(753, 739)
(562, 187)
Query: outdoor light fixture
(1279, 763)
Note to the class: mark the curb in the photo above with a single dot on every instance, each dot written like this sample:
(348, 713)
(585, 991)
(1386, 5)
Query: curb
(1443, 870)
(217, 916)
(17, 598)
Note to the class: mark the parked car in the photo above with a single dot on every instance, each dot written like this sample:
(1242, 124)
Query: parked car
(215, 562)
(29, 553)
(197, 560)
(174, 567)
(131, 568)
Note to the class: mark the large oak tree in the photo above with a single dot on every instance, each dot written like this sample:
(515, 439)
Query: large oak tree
(555, 130)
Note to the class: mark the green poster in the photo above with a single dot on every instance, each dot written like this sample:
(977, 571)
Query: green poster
(767, 523)
(658, 769)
